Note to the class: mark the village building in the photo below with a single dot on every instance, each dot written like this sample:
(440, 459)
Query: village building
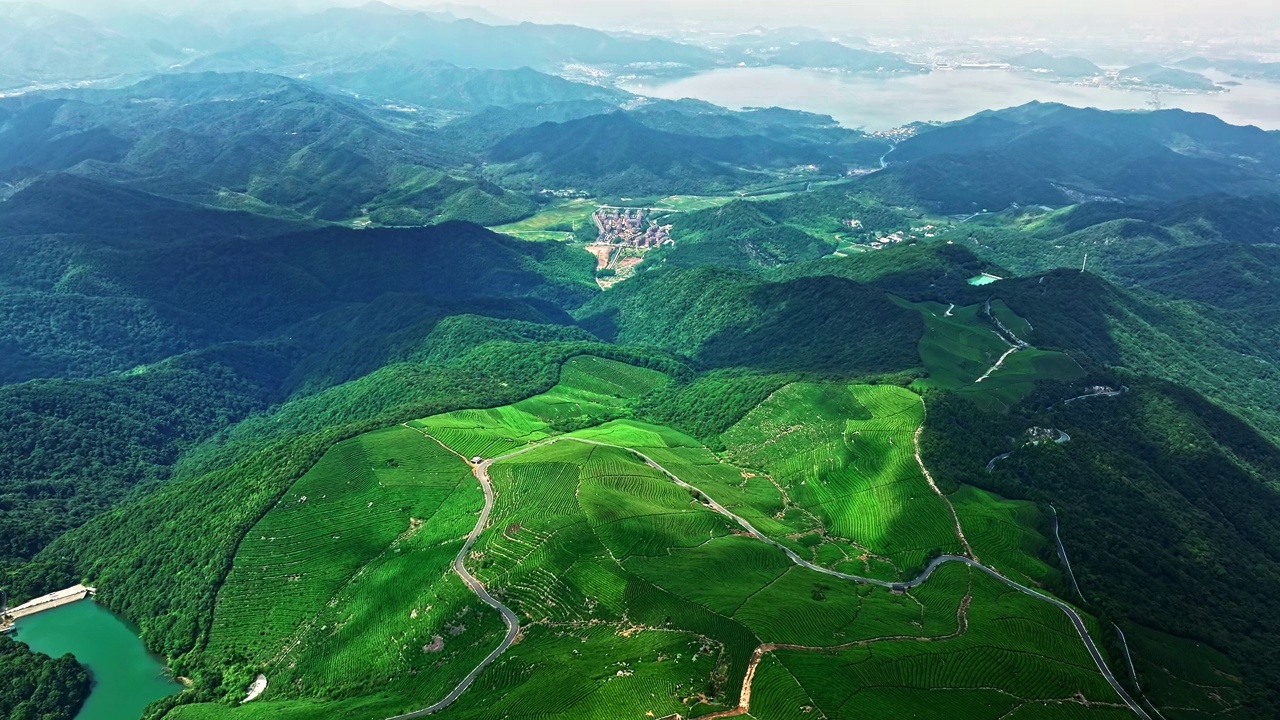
(630, 227)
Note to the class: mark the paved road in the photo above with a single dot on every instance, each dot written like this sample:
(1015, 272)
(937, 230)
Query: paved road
(459, 566)
(481, 472)
(991, 466)
(1133, 673)
(884, 159)
(1071, 613)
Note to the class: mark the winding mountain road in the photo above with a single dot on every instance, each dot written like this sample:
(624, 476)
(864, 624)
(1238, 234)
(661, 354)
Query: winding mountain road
(884, 159)
(991, 466)
(481, 472)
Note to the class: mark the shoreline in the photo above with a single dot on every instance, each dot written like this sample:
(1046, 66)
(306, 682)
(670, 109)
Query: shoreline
(53, 600)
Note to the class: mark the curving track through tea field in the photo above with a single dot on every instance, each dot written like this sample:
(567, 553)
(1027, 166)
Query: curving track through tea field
(481, 471)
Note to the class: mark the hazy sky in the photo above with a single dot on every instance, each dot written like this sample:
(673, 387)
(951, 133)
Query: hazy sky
(1192, 16)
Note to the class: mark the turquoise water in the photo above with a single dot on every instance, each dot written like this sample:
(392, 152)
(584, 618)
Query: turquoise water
(126, 678)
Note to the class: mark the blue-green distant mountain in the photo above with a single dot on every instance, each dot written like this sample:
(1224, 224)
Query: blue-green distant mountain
(1055, 155)
(1069, 66)
(250, 141)
(1153, 75)
(442, 86)
(615, 154)
(352, 32)
(684, 146)
(42, 44)
(828, 54)
(663, 153)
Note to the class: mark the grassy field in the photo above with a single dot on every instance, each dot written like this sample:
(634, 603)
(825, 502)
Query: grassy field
(550, 222)
(636, 599)
(591, 391)
(960, 346)
(693, 203)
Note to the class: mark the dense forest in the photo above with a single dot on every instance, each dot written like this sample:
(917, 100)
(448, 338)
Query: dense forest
(39, 689)
(1157, 472)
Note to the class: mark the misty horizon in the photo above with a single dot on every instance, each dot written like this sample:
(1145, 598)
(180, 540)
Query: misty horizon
(1252, 18)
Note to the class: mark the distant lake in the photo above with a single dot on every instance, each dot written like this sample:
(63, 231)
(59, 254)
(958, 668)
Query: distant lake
(882, 102)
(126, 678)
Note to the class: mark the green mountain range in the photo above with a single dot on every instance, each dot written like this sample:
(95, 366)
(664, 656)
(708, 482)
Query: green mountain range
(1056, 155)
(340, 384)
(249, 141)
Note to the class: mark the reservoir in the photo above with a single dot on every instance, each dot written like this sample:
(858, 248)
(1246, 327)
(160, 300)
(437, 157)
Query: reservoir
(880, 102)
(126, 678)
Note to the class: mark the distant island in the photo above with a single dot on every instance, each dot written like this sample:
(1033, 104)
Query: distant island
(1146, 76)
(1063, 67)
(1151, 75)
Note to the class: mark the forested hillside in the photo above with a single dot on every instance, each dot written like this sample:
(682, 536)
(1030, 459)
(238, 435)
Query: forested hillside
(981, 423)
(1041, 154)
(1157, 472)
(162, 339)
(35, 689)
(249, 141)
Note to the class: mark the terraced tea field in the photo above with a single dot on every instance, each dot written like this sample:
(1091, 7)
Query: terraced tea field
(844, 456)
(347, 578)
(648, 575)
(1015, 655)
(1003, 533)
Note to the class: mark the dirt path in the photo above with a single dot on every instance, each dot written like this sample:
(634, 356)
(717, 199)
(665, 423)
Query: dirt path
(998, 365)
(928, 476)
(1015, 343)
(744, 697)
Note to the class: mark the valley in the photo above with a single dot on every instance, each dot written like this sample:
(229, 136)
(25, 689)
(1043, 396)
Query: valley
(381, 363)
